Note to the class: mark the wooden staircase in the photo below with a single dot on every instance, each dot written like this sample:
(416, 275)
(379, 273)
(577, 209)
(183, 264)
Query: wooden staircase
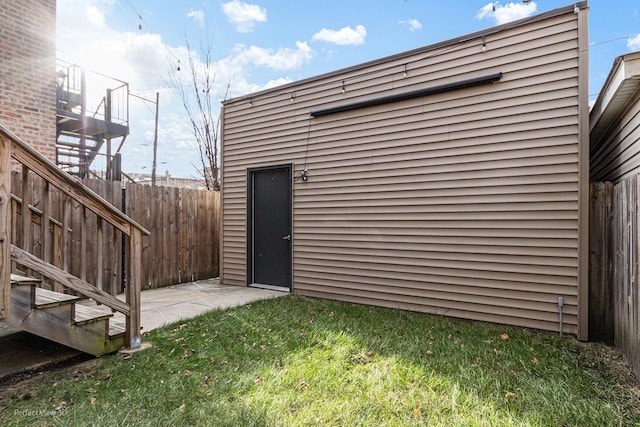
(78, 323)
(48, 300)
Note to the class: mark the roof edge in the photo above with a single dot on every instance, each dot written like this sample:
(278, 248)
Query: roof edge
(424, 49)
(620, 73)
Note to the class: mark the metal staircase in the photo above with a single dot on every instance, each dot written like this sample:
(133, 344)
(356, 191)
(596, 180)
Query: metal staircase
(88, 119)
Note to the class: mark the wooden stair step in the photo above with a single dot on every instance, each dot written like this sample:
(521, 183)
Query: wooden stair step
(18, 280)
(87, 314)
(46, 298)
(117, 321)
(117, 325)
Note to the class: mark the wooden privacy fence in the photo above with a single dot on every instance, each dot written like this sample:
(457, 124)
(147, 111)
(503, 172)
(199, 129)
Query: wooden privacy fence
(614, 297)
(184, 242)
(183, 245)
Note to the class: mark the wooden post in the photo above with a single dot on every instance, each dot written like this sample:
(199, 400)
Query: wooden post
(134, 285)
(99, 262)
(26, 212)
(66, 225)
(83, 243)
(5, 226)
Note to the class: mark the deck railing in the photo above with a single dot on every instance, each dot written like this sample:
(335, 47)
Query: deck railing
(51, 261)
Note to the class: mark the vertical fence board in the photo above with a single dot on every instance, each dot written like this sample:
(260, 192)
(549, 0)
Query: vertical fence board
(184, 226)
(183, 238)
(183, 245)
(615, 265)
(600, 304)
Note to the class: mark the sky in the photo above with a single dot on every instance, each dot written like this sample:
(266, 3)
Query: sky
(258, 44)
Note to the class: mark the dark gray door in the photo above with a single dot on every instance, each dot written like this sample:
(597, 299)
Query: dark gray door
(269, 217)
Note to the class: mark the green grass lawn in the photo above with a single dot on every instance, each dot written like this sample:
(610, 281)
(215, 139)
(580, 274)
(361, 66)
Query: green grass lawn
(300, 361)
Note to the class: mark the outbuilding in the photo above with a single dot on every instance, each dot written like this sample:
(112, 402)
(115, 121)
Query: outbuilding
(449, 179)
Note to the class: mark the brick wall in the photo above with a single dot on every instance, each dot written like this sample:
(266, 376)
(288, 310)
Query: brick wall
(28, 71)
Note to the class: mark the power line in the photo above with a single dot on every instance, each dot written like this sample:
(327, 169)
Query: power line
(137, 13)
(609, 41)
(151, 29)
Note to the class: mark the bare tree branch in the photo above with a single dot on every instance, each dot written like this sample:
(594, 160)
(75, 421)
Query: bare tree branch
(196, 97)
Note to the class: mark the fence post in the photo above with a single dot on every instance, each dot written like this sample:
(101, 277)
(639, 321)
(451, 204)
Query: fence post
(134, 285)
(5, 226)
(600, 266)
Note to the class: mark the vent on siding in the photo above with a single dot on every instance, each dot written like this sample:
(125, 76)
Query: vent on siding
(463, 84)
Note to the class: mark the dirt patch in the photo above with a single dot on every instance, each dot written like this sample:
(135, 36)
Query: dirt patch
(610, 362)
(25, 386)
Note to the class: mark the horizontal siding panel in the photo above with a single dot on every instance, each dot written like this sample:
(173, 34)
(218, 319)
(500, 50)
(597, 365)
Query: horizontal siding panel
(444, 305)
(384, 255)
(416, 229)
(370, 266)
(514, 254)
(562, 154)
(626, 125)
(461, 244)
(558, 71)
(234, 280)
(466, 313)
(417, 213)
(546, 91)
(619, 155)
(467, 198)
(466, 135)
(547, 88)
(383, 205)
(491, 297)
(450, 189)
(548, 292)
(508, 165)
(554, 173)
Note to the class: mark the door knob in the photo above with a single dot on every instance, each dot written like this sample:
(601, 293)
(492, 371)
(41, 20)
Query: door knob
(287, 237)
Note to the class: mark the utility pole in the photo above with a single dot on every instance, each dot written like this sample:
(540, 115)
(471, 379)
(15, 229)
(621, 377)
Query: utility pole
(155, 137)
(155, 143)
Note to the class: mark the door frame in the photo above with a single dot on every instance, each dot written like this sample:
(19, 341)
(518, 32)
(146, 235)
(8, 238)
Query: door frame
(249, 259)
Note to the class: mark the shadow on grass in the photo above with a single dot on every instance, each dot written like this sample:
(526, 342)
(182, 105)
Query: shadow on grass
(299, 361)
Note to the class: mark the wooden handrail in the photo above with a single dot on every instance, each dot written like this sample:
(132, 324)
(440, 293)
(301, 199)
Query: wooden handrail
(13, 147)
(43, 167)
(50, 271)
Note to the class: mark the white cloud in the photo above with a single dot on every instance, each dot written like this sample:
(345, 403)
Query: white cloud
(143, 60)
(507, 13)
(633, 43)
(343, 36)
(244, 15)
(197, 15)
(413, 24)
(282, 59)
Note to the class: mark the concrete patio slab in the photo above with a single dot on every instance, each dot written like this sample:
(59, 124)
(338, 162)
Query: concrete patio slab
(171, 304)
